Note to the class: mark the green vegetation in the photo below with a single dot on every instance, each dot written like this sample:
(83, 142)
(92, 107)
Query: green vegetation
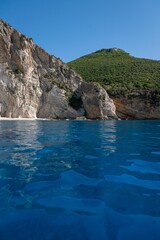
(120, 73)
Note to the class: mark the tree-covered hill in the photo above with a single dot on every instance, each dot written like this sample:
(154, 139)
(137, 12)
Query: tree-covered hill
(120, 73)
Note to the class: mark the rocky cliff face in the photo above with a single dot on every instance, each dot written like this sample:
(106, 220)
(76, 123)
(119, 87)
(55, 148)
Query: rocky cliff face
(34, 84)
(136, 108)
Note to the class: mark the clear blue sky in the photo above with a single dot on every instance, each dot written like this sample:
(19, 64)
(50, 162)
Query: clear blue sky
(71, 28)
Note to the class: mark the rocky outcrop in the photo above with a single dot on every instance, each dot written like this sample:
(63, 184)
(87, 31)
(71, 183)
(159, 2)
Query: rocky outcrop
(140, 106)
(34, 84)
(96, 102)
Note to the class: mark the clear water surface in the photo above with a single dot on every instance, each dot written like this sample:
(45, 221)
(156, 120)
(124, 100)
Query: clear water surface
(79, 180)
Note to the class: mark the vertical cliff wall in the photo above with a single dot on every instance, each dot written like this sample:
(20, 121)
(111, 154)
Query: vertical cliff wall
(36, 84)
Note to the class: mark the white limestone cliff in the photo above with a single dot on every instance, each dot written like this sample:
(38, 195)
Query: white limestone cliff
(34, 84)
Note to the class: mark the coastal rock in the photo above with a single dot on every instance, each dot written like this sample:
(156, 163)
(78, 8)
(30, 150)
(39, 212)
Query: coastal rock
(97, 103)
(137, 108)
(34, 84)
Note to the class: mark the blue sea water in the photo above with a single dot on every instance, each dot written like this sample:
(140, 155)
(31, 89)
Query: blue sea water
(79, 180)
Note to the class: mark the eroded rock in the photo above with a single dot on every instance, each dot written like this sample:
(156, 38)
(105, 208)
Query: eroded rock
(36, 84)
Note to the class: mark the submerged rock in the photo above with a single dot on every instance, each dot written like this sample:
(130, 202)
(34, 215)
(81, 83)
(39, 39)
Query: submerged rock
(36, 84)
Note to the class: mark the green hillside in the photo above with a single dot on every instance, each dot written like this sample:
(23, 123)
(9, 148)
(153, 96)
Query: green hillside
(119, 72)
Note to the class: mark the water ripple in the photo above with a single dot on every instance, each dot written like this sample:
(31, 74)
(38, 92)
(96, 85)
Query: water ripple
(60, 179)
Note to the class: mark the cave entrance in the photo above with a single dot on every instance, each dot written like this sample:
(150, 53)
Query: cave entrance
(76, 101)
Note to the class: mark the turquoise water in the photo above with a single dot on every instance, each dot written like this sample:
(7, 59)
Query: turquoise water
(79, 180)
